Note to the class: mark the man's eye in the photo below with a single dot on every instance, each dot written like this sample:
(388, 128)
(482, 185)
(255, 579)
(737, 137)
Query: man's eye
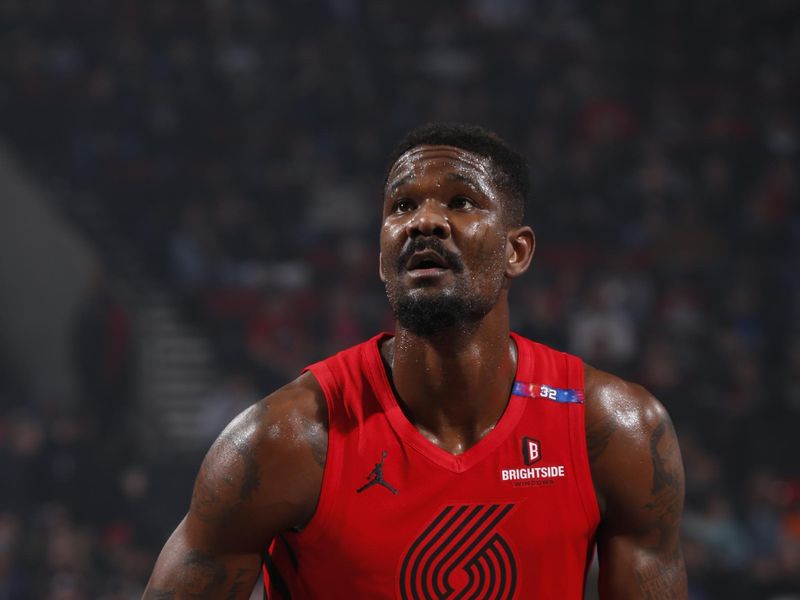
(403, 205)
(460, 202)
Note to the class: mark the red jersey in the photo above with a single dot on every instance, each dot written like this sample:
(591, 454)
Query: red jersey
(399, 517)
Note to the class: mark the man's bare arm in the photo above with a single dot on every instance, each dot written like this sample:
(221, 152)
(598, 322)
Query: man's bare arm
(638, 474)
(261, 476)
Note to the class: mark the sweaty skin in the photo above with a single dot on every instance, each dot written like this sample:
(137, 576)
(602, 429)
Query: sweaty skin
(263, 474)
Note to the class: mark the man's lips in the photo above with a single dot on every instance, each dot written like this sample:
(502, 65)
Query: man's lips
(421, 256)
(426, 259)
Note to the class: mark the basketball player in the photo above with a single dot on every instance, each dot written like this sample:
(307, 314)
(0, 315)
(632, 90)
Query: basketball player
(452, 459)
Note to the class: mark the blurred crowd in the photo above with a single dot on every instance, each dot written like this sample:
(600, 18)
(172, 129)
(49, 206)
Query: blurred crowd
(240, 147)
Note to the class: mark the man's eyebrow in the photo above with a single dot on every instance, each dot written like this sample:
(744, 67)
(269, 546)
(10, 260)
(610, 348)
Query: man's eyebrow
(461, 178)
(457, 177)
(401, 182)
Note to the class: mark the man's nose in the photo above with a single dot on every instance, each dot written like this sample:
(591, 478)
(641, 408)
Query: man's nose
(430, 219)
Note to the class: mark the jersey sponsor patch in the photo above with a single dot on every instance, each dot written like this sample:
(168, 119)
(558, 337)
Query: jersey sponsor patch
(532, 473)
(539, 390)
(531, 450)
(461, 554)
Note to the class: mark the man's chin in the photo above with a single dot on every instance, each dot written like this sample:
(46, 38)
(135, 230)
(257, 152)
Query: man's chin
(428, 314)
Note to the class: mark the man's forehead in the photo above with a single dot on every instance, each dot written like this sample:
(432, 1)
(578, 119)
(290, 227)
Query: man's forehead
(452, 159)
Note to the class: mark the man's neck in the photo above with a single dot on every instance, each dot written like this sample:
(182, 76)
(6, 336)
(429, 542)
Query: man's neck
(454, 385)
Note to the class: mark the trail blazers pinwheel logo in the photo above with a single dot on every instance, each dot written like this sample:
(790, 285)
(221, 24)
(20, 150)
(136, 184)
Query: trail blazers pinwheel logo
(461, 554)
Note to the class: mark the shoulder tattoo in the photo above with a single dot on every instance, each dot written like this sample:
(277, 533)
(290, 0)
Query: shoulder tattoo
(598, 433)
(228, 477)
(665, 579)
(666, 493)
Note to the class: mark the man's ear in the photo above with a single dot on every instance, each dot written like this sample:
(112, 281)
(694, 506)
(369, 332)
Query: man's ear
(380, 267)
(520, 246)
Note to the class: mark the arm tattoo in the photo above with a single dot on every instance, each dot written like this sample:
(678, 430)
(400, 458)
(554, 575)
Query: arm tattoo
(239, 584)
(665, 579)
(237, 479)
(251, 479)
(597, 436)
(663, 582)
(662, 478)
(211, 501)
(205, 499)
(203, 575)
(667, 490)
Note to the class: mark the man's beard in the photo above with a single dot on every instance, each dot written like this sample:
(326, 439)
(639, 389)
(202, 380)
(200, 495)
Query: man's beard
(425, 312)
(427, 316)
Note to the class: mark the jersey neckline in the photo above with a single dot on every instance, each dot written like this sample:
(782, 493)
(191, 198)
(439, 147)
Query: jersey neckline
(406, 430)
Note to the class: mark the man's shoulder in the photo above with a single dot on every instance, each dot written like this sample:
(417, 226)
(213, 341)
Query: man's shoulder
(281, 426)
(272, 454)
(293, 414)
(625, 428)
(629, 404)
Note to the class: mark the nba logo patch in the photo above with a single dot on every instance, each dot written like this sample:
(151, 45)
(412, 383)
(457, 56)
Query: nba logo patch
(531, 451)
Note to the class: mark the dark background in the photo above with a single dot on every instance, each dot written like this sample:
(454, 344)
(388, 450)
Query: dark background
(223, 160)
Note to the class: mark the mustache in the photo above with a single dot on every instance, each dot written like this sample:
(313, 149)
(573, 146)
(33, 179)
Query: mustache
(419, 244)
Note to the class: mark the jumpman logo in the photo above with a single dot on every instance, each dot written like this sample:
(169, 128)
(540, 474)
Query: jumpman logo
(376, 476)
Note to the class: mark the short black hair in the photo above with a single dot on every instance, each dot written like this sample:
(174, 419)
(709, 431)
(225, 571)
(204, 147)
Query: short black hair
(511, 169)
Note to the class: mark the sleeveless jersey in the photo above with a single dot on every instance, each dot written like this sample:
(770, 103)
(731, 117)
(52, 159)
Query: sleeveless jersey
(399, 517)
